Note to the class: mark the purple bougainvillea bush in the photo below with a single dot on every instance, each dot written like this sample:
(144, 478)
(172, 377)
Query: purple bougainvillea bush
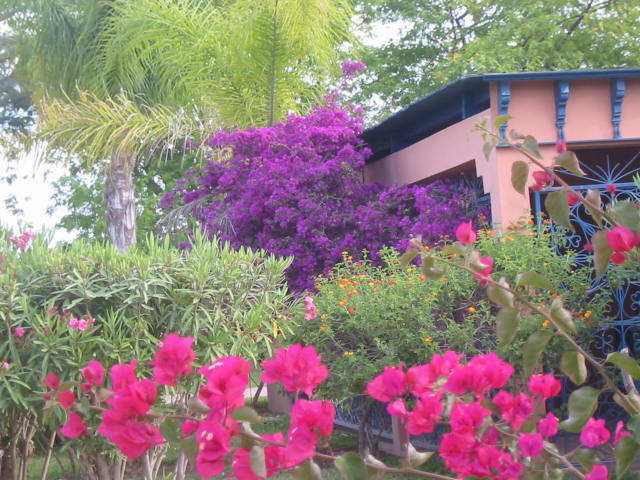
(296, 189)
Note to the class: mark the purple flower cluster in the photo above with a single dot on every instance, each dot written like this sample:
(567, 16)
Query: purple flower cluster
(296, 189)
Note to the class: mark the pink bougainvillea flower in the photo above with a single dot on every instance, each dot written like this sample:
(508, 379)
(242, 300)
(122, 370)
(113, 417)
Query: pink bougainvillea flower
(18, 332)
(173, 359)
(390, 383)
(397, 408)
(483, 275)
(573, 199)
(620, 432)
(545, 386)
(467, 417)
(480, 375)
(588, 247)
(135, 399)
(301, 445)
(67, 399)
(316, 415)
(273, 456)
(598, 472)
(189, 427)
(74, 426)
(621, 239)
(548, 426)
(542, 179)
(465, 233)
(530, 444)
(594, 433)
(214, 442)
(423, 418)
(310, 307)
(515, 410)
(122, 375)
(457, 449)
(561, 146)
(297, 367)
(93, 375)
(611, 188)
(227, 379)
(52, 381)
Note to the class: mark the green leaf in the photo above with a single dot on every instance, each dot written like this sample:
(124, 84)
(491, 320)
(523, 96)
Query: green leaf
(569, 162)
(194, 404)
(474, 262)
(487, 148)
(500, 120)
(351, 467)
(626, 363)
(601, 252)
(519, 176)
(516, 135)
(573, 365)
(627, 214)
(557, 206)
(533, 279)
(507, 322)
(562, 316)
(586, 457)
(307, 470)
(408, 256)
(633, 425)
(170, 430)
(625, 453)
(257, 461)
(499, 294)
(189, 447)
(417, 458)
(533, 348)
(530, 144)
(246, 414)
(452, 249)
(432, 273)
(593, 196)
(582, 404)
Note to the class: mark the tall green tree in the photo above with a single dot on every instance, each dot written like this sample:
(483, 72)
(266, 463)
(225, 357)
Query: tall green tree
(432, 42)
(115, 80)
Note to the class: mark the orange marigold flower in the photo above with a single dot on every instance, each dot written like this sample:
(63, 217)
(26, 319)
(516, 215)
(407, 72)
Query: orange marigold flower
(471, 310)
(587, 314)
(342, 303)
(347, 354)
(546, 323)
(351, 310)
(323, 326)
(391, 282)
(427, 340)
(423, 278)
(352, 292)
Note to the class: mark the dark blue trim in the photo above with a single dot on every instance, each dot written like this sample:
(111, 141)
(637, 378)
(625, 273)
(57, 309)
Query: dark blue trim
(562, 90)
(617, 96)
(504, 97)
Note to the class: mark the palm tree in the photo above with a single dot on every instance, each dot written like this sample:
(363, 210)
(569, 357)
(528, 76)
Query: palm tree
(118, 79)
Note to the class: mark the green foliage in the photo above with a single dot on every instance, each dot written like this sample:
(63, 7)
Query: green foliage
(232, 302)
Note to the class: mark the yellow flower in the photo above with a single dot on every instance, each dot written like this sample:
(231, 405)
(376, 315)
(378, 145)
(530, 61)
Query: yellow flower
(342, 303)
(587, 314)
(471, 310)
(345, 253)
(347, 354)
(427, 340)
(546, 323)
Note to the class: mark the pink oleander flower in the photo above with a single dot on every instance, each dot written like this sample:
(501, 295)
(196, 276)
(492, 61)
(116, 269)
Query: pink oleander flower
(93, 375)
(173, 359)
(530, 444)
(18, 332)
(390, 383)
(548, 426)
(594, 433)
(297, 367)
(67, 399)
(310, 307)
(620, 432)
(545, 386)
(465, 233)
(598, 472)
(74, 426)
(52, 381)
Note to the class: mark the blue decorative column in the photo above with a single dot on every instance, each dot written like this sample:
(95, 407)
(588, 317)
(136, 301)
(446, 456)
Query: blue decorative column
(617, 96)
(504, 97)
(562, 97)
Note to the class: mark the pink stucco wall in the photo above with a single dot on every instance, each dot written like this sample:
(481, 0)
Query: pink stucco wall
(532, 105)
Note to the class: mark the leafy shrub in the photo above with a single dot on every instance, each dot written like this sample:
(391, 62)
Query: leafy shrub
(371, 316)
(296, 189)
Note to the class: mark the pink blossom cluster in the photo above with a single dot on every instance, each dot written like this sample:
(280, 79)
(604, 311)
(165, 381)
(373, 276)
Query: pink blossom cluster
(487, 438)
(350, 68)
(467, 236)
(81, 323)
(310, 308)
(621, 240)
(23, 240)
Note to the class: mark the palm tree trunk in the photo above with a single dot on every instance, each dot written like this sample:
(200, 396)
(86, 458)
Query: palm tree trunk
(119, 197)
